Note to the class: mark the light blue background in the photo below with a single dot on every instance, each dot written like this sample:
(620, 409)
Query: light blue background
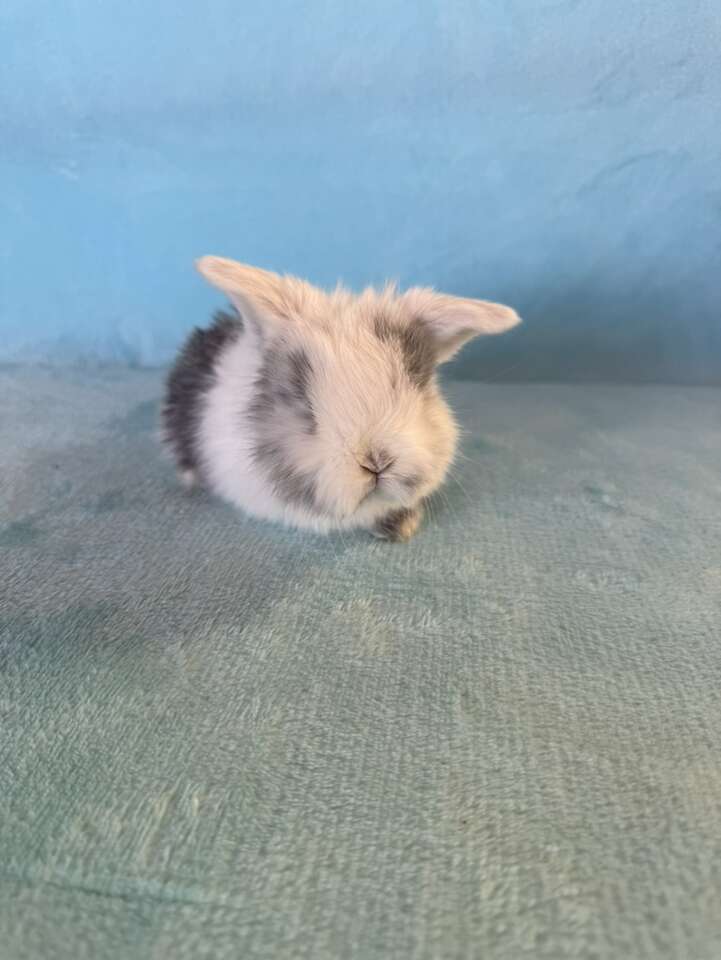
(562, 155)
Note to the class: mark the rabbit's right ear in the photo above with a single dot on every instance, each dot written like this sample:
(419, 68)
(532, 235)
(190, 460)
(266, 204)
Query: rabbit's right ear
(265, 298)
(453, 321)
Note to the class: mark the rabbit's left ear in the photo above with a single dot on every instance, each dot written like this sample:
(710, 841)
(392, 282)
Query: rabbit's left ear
(453, 321)
(268, 299)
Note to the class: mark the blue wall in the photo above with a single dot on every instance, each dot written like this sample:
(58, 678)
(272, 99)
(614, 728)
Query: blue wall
(563, 155)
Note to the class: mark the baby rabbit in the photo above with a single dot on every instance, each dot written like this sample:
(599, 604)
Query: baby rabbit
(320, 410)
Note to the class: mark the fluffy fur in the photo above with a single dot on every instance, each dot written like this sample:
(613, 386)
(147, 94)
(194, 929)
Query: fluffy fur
(320, 410)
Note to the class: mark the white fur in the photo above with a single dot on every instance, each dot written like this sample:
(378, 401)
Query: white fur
(362, 398)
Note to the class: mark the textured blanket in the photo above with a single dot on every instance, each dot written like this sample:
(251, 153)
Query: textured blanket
(501, 740)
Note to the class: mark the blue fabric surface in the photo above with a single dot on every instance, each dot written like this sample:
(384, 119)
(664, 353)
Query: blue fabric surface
(223, 739)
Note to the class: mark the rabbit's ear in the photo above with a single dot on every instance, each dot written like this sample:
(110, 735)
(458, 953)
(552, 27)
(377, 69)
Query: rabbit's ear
(266, 298)
(453, 321)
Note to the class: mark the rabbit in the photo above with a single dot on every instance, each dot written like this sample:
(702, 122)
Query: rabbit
(317, 409)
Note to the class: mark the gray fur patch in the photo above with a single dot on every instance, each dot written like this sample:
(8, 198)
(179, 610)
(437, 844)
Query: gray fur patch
(282, 390)
(289, 484)
(390, 527)
(266, 390)
(300, 373)
(190, 378)
(263, 404)
(310, 424)
(415, 345)
(284, 381)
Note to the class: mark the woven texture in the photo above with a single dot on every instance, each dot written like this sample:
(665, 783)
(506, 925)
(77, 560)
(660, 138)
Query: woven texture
(502, 740)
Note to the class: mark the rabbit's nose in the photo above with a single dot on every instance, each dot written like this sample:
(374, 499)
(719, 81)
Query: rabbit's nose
(377, 462)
